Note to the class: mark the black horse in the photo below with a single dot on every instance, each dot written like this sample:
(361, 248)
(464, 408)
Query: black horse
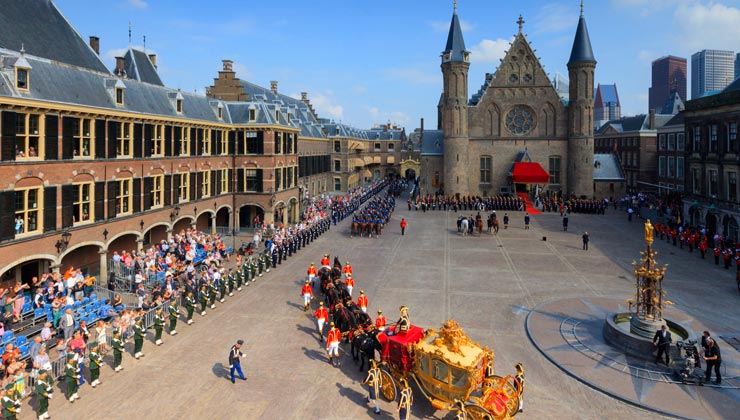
(324, 275)
(364, 345)
(331, 296)
(344, 320)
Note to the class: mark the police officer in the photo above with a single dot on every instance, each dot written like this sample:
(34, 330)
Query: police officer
(235, 356)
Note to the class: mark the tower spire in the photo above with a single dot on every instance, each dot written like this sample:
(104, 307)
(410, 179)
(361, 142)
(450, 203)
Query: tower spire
(581, 7)
(455, 48)
(582, 51)
(454, 6)
(520, 22)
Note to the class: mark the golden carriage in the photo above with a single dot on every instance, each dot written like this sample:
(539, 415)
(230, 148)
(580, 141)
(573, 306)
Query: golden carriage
(447, 367)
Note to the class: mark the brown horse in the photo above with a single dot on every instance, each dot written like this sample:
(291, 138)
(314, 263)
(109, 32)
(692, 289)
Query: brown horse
(495, 226)
(479, 225)
(362, 228)
(370, 229)
(378, 229)
(355, 229)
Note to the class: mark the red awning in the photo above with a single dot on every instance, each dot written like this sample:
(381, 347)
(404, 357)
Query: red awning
(529, 173)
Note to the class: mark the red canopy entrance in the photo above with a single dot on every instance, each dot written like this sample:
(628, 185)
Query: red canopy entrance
(529, 173)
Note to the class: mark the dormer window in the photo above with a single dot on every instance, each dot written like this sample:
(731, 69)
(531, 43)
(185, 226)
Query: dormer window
(220, 111)
(252, 115)
(119, 96)
(277, 115)
(178, 106)
(21, 77)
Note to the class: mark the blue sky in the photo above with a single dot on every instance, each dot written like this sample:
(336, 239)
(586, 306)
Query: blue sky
(372, 61)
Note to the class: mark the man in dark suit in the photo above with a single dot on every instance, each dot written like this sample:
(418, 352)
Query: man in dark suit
(662, 341)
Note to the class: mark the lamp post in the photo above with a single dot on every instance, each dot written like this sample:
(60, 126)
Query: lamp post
(105, 234)
(62, 243)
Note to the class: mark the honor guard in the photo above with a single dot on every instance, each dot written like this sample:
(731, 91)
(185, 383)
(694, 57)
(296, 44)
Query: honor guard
(325, 261)
(380, 321)
(117, 345)
(139, 333)
(404, 322)
(347, 270)
(70, 378)
(230, 281)
(311, 273)
(189, 307)
(350, 283)
(373, 384)
(321, 315)
(44, 392)
(332, 344)
(405, 401)
(520, 385)
(158, 327)
(11, 406)
(203, 299)
(307, 294)
(95, 362)
(362, 301)
(173, 311)
(212, 291)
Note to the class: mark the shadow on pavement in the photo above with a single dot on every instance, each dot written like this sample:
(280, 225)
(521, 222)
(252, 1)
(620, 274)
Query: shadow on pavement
(221, 371)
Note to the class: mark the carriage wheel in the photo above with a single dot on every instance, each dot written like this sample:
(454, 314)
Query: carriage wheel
(510, 386)
(387, 386)
(477, 412)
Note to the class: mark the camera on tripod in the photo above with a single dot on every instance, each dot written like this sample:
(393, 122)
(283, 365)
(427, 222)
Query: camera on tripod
(689, 370)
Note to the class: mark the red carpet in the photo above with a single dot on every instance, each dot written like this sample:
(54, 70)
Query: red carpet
(528, 203)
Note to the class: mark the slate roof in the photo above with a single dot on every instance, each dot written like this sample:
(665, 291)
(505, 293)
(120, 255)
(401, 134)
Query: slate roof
(673, 105)
(139, 67)
(733, 86)
(455, 43)
(636, 123)
(608, 167)
(675, 121)
(44, 32)
(486, 83)
(50, 81)
(582, 51)
(432, 143)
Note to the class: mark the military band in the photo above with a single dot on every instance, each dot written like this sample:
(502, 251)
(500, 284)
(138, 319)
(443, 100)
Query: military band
(117, 344)
(95, 362)
(139, 333)
(173, 311)
(190, 307)
(71, 377)
(44, 392)
(158, 327)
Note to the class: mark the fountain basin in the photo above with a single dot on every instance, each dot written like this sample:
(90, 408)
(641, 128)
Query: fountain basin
(619, 327)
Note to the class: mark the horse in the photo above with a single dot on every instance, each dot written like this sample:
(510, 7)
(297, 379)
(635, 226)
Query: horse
(331, 295)
(370, 229)
(490, 224)
(495, 226)
(324, 275)
(364, 345)
(362, 229)
(378, 229)
(344, 320)
(355, 229)
(464, 225)
(479, 225)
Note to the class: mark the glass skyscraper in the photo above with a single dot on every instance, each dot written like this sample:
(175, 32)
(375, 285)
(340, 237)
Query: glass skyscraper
(711, 70)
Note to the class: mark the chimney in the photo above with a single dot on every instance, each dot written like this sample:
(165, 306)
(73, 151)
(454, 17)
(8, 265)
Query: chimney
(153, 59)
(422, 125)
(228, 65)
(95, 44)
(120, 67)
(273, 86)
(652, 119)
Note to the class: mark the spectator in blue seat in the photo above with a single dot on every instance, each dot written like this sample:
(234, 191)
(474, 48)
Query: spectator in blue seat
(105, 311)
(38, 298)
(46, 333)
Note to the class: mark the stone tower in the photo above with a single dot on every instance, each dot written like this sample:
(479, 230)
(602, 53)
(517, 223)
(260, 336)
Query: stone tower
(453, 110)
(581, 67)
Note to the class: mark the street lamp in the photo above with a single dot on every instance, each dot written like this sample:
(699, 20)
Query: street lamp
(141, 224)
(105, 234)
(61, 244)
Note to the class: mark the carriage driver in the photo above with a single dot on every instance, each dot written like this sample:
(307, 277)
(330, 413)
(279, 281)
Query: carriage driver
(404, 322)
(380, 321)
(311, 273)
(373, 384)
(332, 344)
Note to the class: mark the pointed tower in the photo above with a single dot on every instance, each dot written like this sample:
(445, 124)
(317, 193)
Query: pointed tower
(453, 110)
(581, 67)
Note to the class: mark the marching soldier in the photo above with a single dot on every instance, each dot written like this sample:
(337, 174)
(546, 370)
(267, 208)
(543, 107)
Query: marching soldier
(252, 270)
(380, 321)
(311, 273)
(350, 283)
(520, 385)
(190, 307)
(240, 274)
(230, 281)
(173, 311)
(70, 378)
(117, 344)
(373, 384)
(362, 301)
(307, 294)
(44, 392)
(139, 333)
(158, 327)
(404, 322)
(11, 406)
(222, 290)
(203, 299)
(95, 362)
(407, 398)
(267, 262)
(717, 251)
(347, 270)
(321, 315)
(332, 344)
(260, 265)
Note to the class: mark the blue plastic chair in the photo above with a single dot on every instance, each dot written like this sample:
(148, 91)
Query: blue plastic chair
(39, 312)
(77, 304)
(26, 308)
(21, 340)
(8, 336)
(85, 300)
(93, 296)
(47, 306)
(24, 350)
(96, 305)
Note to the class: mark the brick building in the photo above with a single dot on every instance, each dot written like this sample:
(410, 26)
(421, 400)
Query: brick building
(96, 160)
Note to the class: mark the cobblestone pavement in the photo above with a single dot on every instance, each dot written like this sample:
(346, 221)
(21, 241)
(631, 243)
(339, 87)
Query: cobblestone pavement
(488, 284)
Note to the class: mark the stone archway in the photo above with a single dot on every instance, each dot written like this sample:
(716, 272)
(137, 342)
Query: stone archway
(182, 224)
(204, 222)
(127, 242)
(410, 168)
(279, 213)
(730, 228)
(293, 211)
(711, 223)
(86, 258)
(155, 234)
(694, 217)
(248, 214)
(25, 269)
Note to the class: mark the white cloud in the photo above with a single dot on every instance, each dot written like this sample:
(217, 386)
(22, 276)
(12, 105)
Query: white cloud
(551, 18)
(325, 106)
(413, 75)
(707, 25)
(139, 4)
(382, 117)
(373, 111)
(445, 26)
(241, 71)
(489, 51)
